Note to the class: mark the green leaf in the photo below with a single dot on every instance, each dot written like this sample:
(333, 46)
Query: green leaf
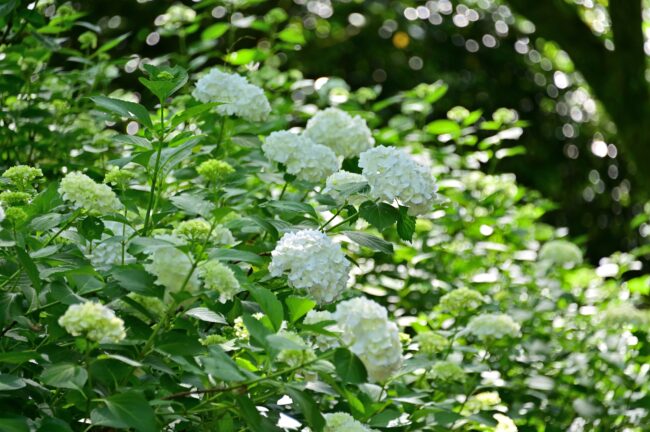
(205, 314)
(192, 112)
(439, 127)
(215, 31)
(164, 81)
(193, 205)
(379, 215)
(309, 408)
(221, 366)
(405, 224)
(65, 375)
(269, 304)
(236, 255)
(11, 423)
(50, 424)
(257, 331)
(242, 57)
(292, 34)
(7, 6)
(126, 109)
(11, 382)
(131, 409)
(298, 208)
(298, 307)
(133, 277)
(349, 367)
(30, 268)
(91, 228)
(369, 241)
(111, 44)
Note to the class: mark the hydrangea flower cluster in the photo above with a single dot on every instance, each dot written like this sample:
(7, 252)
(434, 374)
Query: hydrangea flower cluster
(194, 229)
(394, 175)
(302, 157)
(219, 278)
(118, 177)
(481, 402)
(22, 176)
(14, 198)
(343, 422)
(347, 136)
(84, 193)
(94, 321)
(369, 334)
(504, 424)
(447, 371)
(344, 186)
(625, 314)
(214, 170)
(2, 214)
(493, 326)
(313, 262)
(171, 268)
(461, 301)
(560, 253)
(234, 93)
(431, 342)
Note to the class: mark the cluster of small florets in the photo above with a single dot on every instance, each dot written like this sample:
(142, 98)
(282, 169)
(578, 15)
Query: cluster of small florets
(215, 170)
(84, 193)
(295, 356)
(175, 17)
(301, 156)
(313, 262)
(481, 402)
(118, 177)
(504, 424)
(461, 301)
(344, 187)
(234, 93)
(394, 175)
(213, 339)
(343, 422)
(22, 176)
(618, 315)
(431, 342)
(14, 198)
(446, 371)
(315, 317)
(368, 333)
(561, 253)
(458, 113)
(347, 136)
(219, 278)
(15, 215)
(172, 268)
(2, 214)
(493, 326)
(93, 321)
(194, 229)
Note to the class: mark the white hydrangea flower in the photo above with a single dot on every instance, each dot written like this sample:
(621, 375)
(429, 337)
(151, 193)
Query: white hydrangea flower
(346, 135)
(220, 278)
(171, 267)
(108, 253)
(618, 315)
(493, 326)
(222, 235)
(313, 262)
(324, 342)
(303, 158)
(504, 424)
(2, 214)
(561, 253)
(83, 192)
(343, 422)
(94, 321)
(236, 95)
(393, 174)
(343, 185)
(369, 334)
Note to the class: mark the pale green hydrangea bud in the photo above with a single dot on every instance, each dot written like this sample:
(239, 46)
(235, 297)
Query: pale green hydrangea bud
(493, 326)
(458, 113)
(504, 424)
(295, 357)
(171, 268)
(241, 331)
(505, 116)
(431, 342)
(343, 422)
(215, 170)
(213, 339)
(15, 215)
(13, 198)
(194, 229)
(481, 402)
(447, 371)
(93, 321)
(84, 193)
(222, 235)
(22, 176)
(625, 314)
(219, 278)
(561, 253)
(177, 15)
(461, 301)
(118, 177)
(88, 40)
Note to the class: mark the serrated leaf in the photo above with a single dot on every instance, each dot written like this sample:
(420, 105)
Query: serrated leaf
(205, 314)
(269, 304)
(309, 408)
(193, 205)
(379, 215)
(236, 255)
(405, 224)
(369, 241)
(30, 268)
(221, 366)
(130, 409)
(349, 367)
(11, 382)
(126, 109)
(298, 307)
(65, 375)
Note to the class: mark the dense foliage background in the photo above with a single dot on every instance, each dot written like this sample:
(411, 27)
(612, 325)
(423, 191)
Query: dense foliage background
(176, 232)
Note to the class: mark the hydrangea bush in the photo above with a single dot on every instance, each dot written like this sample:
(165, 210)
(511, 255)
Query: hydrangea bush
(243, 259)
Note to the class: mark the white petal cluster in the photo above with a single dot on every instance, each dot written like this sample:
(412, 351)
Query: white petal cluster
(94, 321)
(493, 326)
(393, 174)
(313, 263)
(171, 268)
(84, 193)
(344, 185)
(346, 135)
(237, 96)
(505, 424)
(303, 158)
(343, 422)
(220, 278)
(561, 253)
(369, 334)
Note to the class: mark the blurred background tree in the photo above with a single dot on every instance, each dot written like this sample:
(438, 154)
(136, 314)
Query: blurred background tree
(574, 70)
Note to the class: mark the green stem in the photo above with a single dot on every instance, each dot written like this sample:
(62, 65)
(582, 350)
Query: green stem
(90, 377)
(344, 221)
(156, 169)
(284, 189)
(338, 212)
(65, 226)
